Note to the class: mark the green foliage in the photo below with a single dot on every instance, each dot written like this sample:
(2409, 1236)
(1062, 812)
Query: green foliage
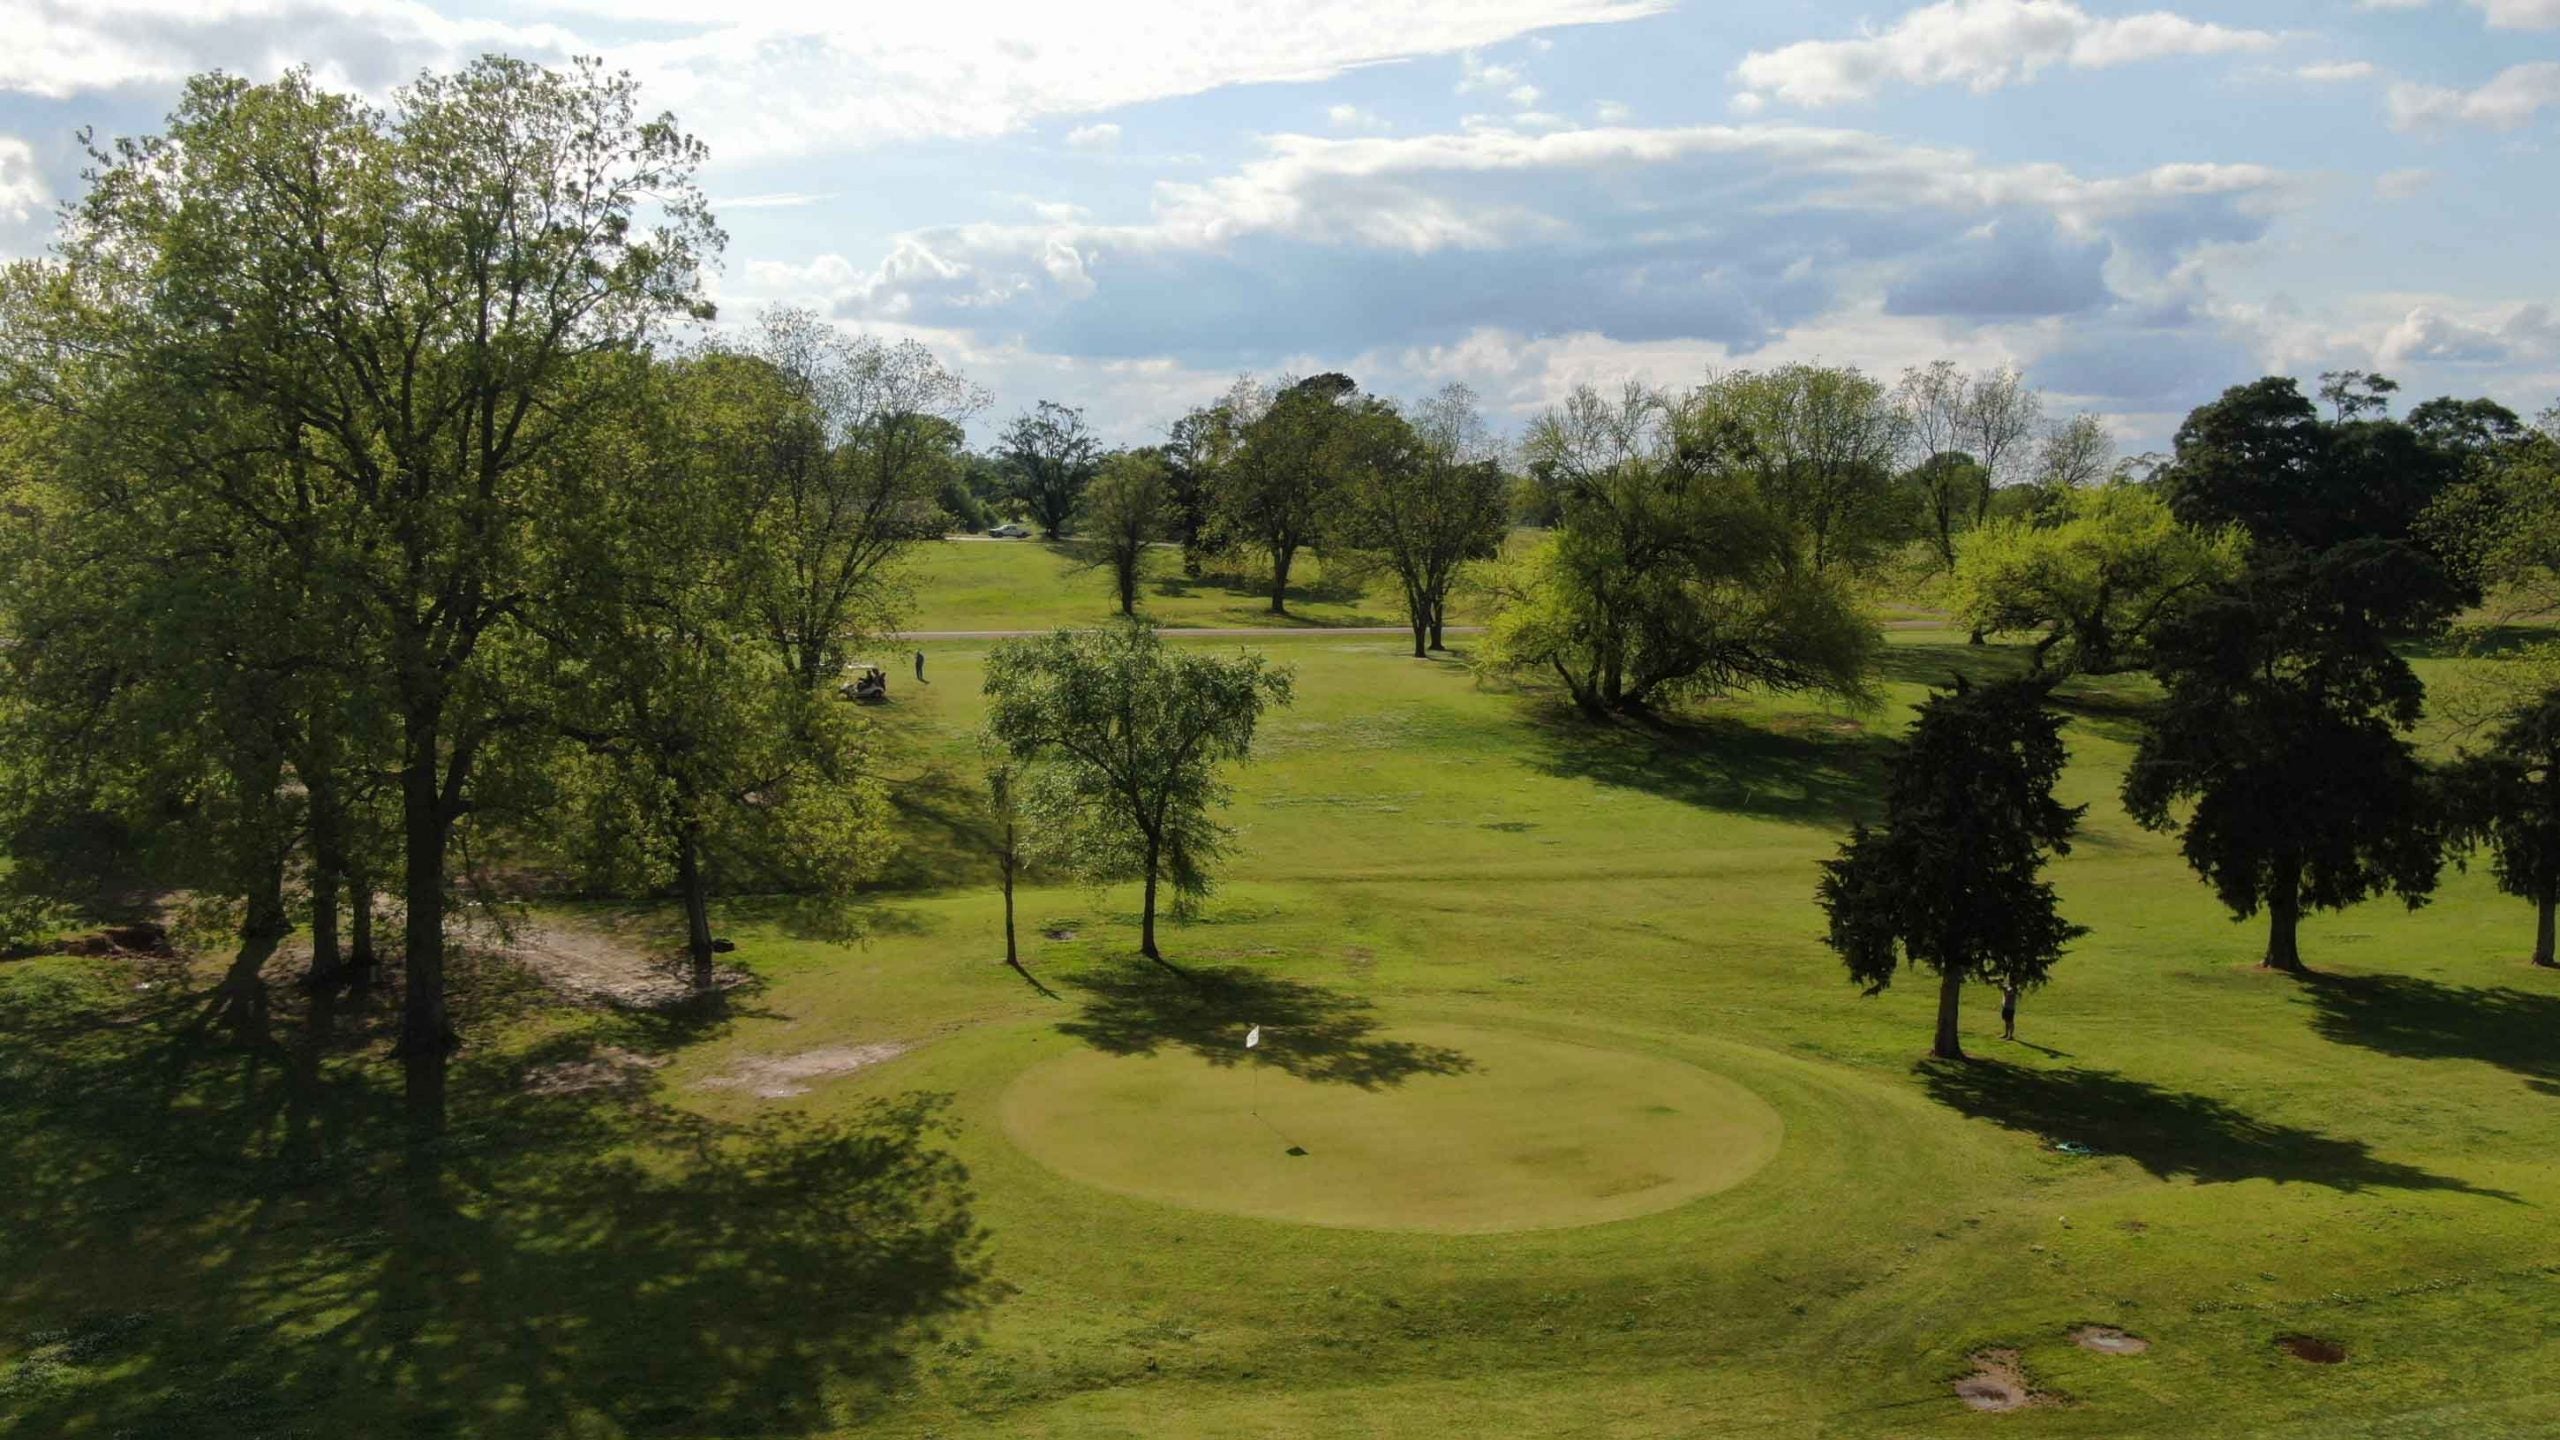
(1953, 882)
(1052, 456)
(2509, 799)
(2095, 576)
(1427, 497)
(1819, 442)
(1125, 511)
(1121, 736)
(1669, 575)
(2284, 730)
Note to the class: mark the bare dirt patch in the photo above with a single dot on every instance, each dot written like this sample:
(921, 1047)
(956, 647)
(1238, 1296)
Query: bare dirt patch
(603, 968)
(1996, 1384)
(143, 938)
(777, 1077)
(2311, 1349)
(609, 1068)
(2108, 1340)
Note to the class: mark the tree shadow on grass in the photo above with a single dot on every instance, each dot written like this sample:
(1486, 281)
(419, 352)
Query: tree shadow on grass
(1242, 586)
(1814, 768)
(217, 1242)
(2420, 1019)
(2170, 1133)
(1309, 1031)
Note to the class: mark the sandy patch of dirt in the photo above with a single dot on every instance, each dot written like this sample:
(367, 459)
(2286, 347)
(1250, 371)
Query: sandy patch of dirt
(606, 969)
(2108, 1340)
(609, 1068)
(1996, 1382)
(2311, 1349)
(777, 1077)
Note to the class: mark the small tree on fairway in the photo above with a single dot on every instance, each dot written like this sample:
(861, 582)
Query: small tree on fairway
(2510, 798)
(1427, 497)
(1950, 883)
(1120, 736)
(1125, 511)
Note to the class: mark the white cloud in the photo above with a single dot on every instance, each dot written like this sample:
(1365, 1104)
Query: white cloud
(1355, 118)
(2507, 101)
(1980, 44)
(61, 48)
(23, 196)
(1477, 73)
(2430, 335)
(1611, 112)
(2520, 14)
(2335, 71)
(772, 200)
(1094, 137)
(2401, 184)
(767, 79)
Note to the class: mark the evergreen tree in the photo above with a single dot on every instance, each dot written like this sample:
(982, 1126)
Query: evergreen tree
(1951, 883)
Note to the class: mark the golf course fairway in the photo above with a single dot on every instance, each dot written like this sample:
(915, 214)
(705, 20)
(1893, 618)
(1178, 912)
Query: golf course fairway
(1507, 1132)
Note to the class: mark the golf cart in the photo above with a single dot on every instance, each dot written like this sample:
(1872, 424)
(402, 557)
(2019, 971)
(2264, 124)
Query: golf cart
(869, 685)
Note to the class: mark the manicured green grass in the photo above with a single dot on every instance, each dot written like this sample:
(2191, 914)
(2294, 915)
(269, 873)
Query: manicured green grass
(201, 1239)
(1436, 1128)
(1029, 584)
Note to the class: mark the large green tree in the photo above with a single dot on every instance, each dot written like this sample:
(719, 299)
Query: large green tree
(1126, 511)
(1820, 442)
(1427, 496)
(1952, 881)
(1052, 455)
(1668, 573)
(2508, 798)
(1121, 737)
(2092, 579)
(414, 313)
(1282, 492)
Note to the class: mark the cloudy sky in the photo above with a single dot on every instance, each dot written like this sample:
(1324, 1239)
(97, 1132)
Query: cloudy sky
(1124, 206)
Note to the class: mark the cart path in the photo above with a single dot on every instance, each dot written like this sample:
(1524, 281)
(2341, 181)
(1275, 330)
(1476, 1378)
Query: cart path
(1251, 632)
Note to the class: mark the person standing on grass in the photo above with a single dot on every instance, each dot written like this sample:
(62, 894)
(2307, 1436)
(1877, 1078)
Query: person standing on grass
(2008, 1012)
(919, 667)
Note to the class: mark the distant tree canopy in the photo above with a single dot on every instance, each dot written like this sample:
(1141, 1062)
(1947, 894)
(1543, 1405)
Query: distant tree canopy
(1668, 573)
(1052, 456)
(1120, 737)
(2093, 578)
(1125, 511)
(1952, 881)
(1282, 492)
(1426, 497)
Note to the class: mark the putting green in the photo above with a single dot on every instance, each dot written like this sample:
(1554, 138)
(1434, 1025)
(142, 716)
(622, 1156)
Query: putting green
(1529, 1133)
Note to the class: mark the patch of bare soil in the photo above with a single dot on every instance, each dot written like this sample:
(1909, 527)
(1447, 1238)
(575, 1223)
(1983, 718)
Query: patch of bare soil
(2108, 1340)
(776, 1077)
(2311, 1349)
(1996, 1382)
(142, 938)
(610, 1068)
(606, 969)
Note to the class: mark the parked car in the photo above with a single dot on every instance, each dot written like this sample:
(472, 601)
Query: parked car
(1010, 531)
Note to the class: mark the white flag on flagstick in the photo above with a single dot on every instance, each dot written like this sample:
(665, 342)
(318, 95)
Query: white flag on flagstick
(1253, 1037)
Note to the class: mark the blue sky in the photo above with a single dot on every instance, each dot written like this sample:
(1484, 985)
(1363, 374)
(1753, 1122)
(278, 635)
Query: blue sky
(1124, 207)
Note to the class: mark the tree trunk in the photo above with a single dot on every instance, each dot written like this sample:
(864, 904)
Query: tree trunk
(328, 963)
(2284, 918)
(1282, 557)
(1147, 910)
(1012, 951)
(1439, 621)
(2542, 935)
(362, 965)
(1949, 1044)
(697, 904)
(426, 1031)
(1128, 577)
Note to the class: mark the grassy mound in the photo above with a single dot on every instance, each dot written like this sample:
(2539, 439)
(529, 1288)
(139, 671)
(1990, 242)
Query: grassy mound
(1489, 1131)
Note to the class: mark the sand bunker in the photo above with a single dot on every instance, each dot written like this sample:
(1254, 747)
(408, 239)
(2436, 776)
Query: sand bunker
(607, 969)
(2108, 1340)
(609, 1068)
(1996, 1382)
(777, 1077)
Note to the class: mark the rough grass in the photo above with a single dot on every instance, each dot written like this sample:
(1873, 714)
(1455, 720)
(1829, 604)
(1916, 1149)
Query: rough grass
(200, 1239)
